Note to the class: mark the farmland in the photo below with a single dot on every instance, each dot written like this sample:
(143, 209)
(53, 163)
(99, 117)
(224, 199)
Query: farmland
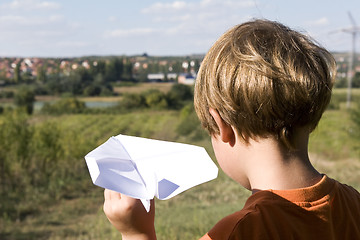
(47, 192)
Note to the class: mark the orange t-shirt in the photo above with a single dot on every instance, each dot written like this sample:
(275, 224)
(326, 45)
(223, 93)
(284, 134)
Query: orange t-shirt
(327, 210)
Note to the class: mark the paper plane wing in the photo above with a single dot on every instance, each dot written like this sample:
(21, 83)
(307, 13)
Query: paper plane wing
(111, 167)
(143, 168)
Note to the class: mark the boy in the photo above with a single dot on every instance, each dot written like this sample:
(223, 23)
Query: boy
(261, 90)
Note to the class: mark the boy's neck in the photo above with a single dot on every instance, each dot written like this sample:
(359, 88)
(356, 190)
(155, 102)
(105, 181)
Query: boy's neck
(270, 166)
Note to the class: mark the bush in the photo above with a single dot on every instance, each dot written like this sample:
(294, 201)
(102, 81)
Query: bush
(97, 90)
(25, 98)
(132, 101)
(37, 163)
(190, 125)
(155, 99)
(6, 94)
(64, 106)
(176, 98)
(355, 117)
(15, 133)
(178, 95)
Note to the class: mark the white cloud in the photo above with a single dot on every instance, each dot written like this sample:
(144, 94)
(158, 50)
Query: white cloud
(12, 19)
(18, 20)
(112, 18)
(73, 44)
(199, 11)
(48, 5)
(49, 33)
(56, 18)
(130, 32)
(324, 21)
(203, 5)
(228, 3)
(30, 5)
(161, 7)
(198, 17)
(175, 18)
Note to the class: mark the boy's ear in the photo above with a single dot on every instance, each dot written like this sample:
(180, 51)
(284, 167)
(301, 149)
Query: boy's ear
(227, 133)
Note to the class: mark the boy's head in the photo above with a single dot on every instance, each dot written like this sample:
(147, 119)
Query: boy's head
(264, 79)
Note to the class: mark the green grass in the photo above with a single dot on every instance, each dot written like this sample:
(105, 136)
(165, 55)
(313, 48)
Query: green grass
(78, 214)
(141, 87)
(332, 138)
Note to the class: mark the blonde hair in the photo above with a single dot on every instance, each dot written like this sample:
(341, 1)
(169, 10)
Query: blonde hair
(264, 79)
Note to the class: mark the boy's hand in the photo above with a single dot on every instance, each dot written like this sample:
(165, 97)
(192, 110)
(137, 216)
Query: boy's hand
(129, 216)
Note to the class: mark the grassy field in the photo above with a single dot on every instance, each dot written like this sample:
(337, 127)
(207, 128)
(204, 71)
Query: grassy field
(141, 87)
(78, 214)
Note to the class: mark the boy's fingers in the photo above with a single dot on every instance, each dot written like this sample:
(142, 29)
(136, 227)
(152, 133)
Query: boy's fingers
(111, 195)
(107, 194)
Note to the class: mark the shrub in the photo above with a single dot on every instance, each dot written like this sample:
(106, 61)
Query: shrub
(16, 134)
(132, 101)
(64, 106)
(25, 98)
(155, 99)
(178, 95)
(190, 125)
(355, 117)
(6, 94)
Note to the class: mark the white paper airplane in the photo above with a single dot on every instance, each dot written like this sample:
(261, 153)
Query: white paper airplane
(144, 168)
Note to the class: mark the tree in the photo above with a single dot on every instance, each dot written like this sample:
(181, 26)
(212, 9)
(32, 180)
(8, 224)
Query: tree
(119, 68)
(64, 106)
(40, 74)
(179, 94)
(25, 98)
(98, 67)
(155, 99)
(128, 68)
(17, 74)
(356, 80)
(111, 71)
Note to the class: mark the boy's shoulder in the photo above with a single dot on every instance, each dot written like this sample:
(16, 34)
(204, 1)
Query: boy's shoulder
(254, 220)
(300, 212)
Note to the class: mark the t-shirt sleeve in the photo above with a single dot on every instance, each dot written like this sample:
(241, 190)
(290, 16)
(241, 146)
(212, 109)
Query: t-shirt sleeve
(205, 237)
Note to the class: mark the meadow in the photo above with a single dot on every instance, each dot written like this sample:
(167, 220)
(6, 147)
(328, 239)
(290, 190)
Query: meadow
(48, 193)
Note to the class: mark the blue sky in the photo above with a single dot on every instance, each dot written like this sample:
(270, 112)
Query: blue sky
(69, 28)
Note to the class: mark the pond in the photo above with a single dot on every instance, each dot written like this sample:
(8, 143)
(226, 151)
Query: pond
(90, 104)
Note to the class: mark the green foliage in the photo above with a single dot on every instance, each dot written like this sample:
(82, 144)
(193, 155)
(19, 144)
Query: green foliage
(64, 106)
(132, 101)
(41, 74)
(355, 118)
(47, 192)
(114, 70)
(25, 98)
(47, 151)
(35, 162)
(176, 98)
(332, 138)
(6, 94)
(179, 94)
(182, 92)
(189, 124)
(356, 80)
(15, 133)
(339, 98)
(17, 74)
(155, 99)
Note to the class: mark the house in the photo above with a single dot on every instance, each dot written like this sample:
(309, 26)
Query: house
(156, 77)
(186, 78)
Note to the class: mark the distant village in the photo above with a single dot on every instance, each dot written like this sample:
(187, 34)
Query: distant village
(143, 68)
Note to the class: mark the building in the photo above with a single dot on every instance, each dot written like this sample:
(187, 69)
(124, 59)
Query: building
(186, 78)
